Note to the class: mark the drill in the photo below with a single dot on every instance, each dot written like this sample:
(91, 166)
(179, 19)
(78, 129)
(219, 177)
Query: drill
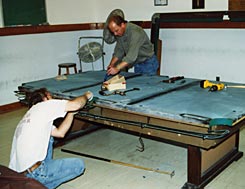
(213, 86)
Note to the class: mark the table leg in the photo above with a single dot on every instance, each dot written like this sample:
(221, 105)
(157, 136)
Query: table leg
(205, 165)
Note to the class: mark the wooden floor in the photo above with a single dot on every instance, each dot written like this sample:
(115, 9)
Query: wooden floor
(122, 147)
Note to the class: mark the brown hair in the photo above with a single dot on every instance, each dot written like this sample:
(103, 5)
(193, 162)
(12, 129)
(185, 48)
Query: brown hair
(37, 96)
(117, 19)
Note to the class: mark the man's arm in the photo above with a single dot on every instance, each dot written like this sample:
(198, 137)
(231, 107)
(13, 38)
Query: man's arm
(78, 102)
(113, 61)
(71, 106)
(64, 126)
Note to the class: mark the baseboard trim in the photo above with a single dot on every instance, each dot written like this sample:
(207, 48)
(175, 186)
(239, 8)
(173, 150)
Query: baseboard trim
(10, 107)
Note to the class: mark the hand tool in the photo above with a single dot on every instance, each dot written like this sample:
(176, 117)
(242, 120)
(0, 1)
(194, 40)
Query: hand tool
(218, 86)
(90, 103)
(103, 93)
(173, 79)
(122, 93)
(103, 88)
(106, 77)
(212, 86)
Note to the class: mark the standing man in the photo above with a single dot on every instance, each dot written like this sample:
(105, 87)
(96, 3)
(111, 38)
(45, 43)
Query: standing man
(32, 145)
(133, 48)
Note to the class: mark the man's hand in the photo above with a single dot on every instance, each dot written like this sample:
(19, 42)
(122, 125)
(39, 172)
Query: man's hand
(89, 95)
(112, 70)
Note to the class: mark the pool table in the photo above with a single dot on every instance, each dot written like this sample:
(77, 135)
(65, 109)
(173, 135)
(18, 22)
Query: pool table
(174, 110)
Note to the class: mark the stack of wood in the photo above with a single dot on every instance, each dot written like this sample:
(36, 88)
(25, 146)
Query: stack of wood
(115, 83)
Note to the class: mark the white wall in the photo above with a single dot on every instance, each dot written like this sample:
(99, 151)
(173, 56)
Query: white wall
(204, 53)
(192, 53)
(83, 11)
(25, 58)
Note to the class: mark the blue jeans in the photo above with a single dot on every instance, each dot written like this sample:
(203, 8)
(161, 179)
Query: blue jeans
(148, 67)
(52, 173)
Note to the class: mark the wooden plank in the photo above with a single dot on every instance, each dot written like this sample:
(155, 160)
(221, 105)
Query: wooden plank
(210, 157)
(10, 107)
(237, 5)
